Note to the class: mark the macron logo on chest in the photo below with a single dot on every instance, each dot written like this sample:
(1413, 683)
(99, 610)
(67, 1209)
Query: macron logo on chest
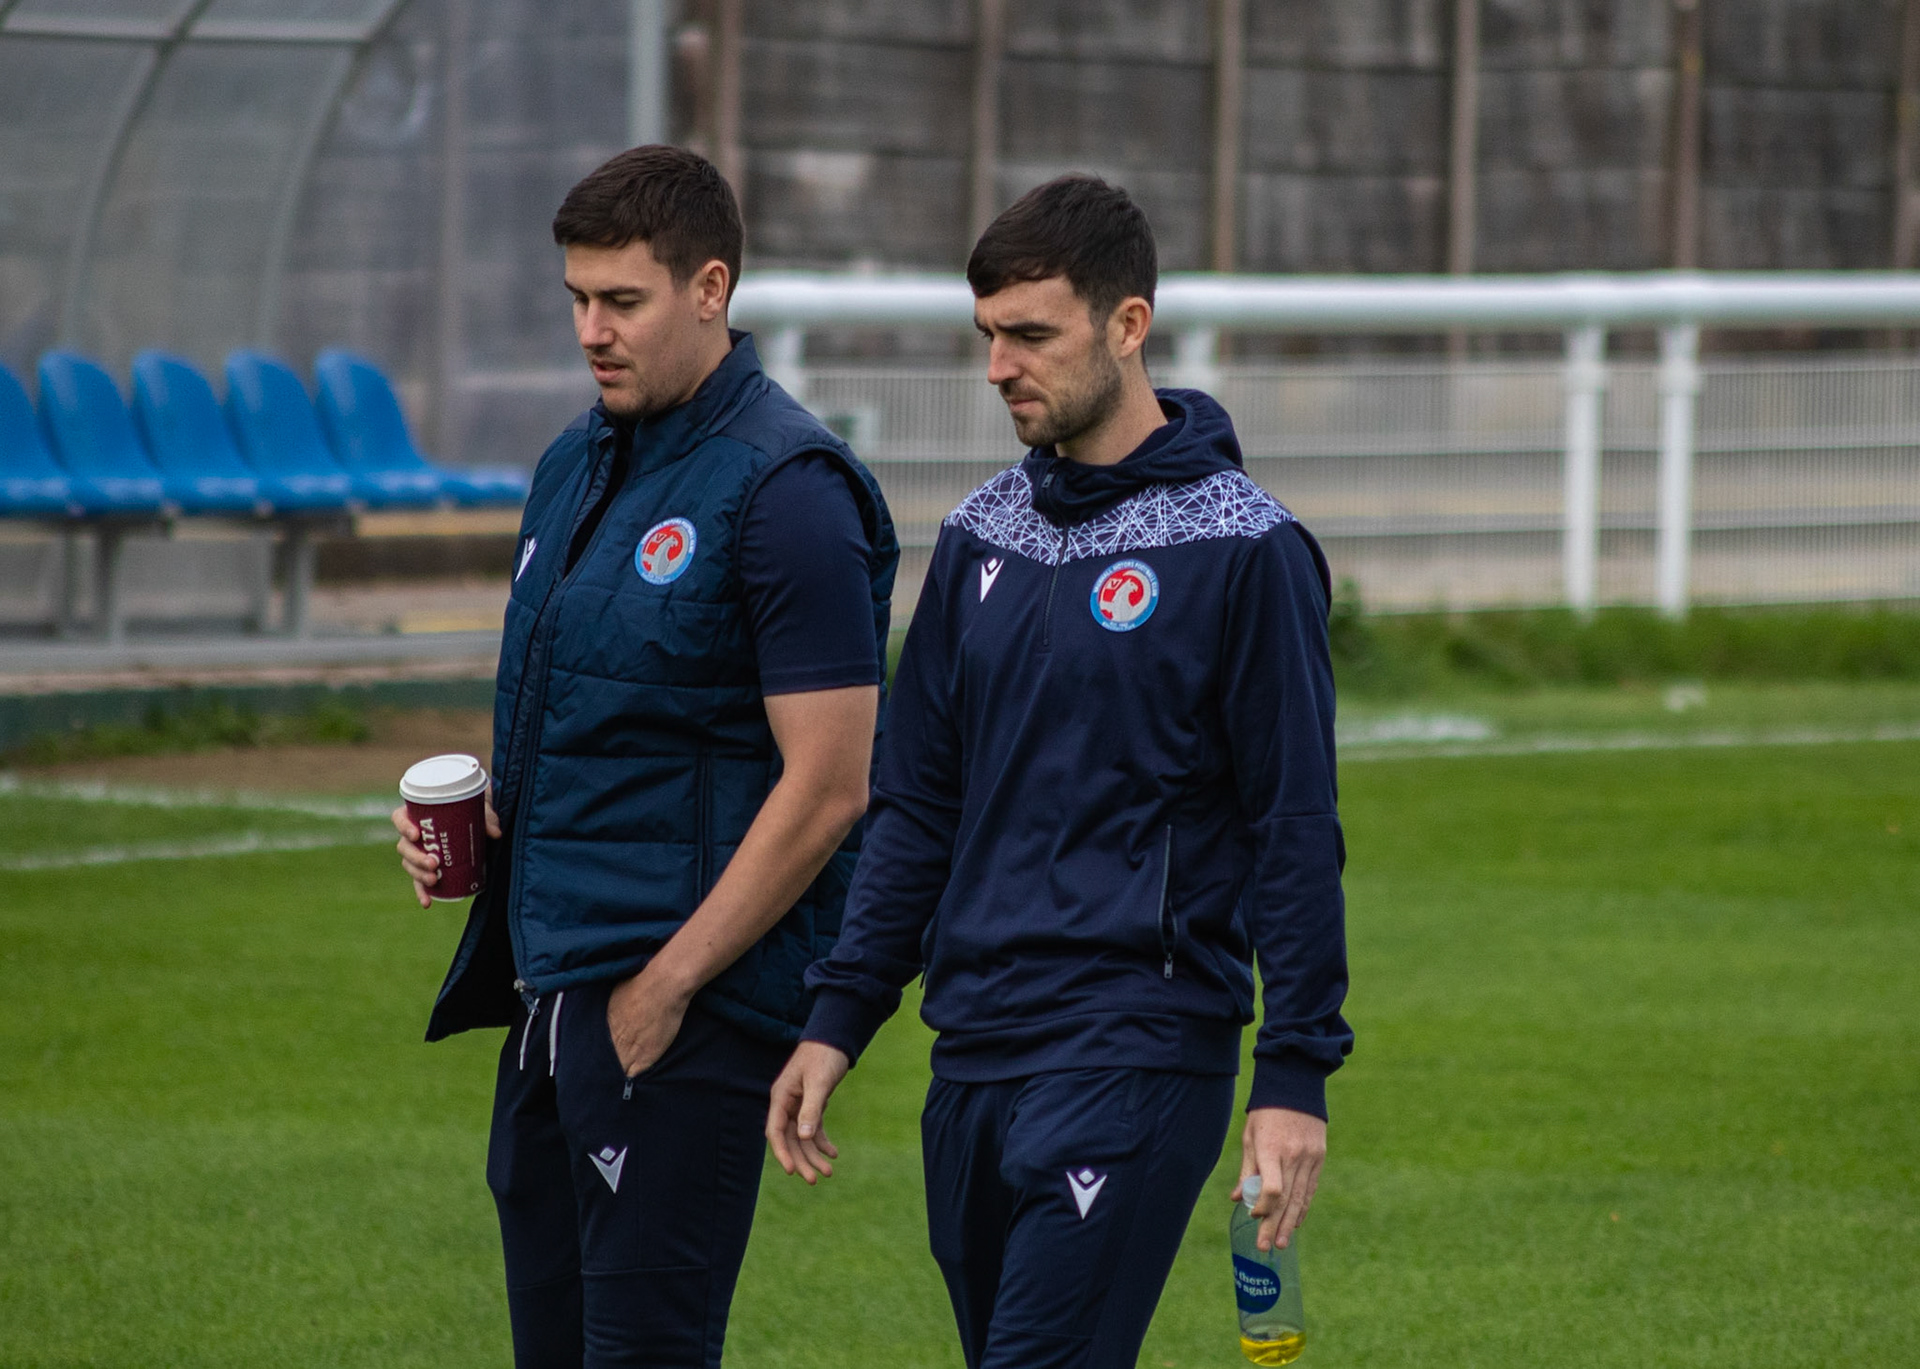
(989, 572)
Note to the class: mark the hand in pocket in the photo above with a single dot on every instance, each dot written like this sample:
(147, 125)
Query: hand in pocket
(642, 1021)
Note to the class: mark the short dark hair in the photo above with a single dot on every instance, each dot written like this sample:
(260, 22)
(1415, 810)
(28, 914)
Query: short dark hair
(675, 201)
(1074, 226)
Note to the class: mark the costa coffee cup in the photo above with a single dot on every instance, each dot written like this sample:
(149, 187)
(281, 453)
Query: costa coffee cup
(446, 796)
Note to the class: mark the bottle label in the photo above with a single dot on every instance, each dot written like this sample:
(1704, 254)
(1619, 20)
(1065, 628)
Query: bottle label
(1255, 1286)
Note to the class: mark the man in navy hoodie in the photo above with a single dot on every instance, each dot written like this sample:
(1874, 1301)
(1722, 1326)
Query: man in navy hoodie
(1107, 783)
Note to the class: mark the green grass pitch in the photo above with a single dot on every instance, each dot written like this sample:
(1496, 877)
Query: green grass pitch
(1638, 1083)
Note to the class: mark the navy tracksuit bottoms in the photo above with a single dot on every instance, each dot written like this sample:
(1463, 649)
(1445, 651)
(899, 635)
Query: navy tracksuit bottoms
(624, 1210)
(1056, 1203)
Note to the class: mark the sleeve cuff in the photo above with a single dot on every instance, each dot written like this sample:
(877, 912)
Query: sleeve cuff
(1289, 1084)
(844, 1021)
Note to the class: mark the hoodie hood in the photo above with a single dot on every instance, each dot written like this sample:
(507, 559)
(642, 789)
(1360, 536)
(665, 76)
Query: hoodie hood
(1196, 442)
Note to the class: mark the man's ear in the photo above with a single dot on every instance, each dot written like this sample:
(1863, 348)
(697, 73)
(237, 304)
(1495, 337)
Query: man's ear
(1128, 326)
(710, 285)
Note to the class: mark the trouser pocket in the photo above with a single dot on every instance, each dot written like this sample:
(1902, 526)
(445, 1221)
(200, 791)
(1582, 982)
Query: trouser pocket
(1107, 1165)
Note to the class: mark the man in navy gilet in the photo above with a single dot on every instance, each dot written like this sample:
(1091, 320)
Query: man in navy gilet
(1107, 785)
(689, 681)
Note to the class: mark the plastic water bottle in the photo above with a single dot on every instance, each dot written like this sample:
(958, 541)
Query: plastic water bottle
(1266, 1284)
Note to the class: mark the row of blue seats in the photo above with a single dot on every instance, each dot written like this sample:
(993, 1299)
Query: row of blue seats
(273, 450)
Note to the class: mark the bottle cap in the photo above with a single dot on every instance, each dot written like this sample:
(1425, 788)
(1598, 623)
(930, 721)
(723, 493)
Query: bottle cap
(1250, 1190)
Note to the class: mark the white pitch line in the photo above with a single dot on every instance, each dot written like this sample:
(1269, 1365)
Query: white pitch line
(1423, 728)
(98, 791)
(246, 844)
(141, 796)
(1637, 741)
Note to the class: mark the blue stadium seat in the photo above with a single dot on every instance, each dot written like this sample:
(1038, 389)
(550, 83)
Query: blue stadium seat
(189, 439)
(91, 433)
(32, 485)
(180, 448)
(361, 415)
(279, 434)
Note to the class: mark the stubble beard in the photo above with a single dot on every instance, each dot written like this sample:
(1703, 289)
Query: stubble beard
(636, 400)
(622, 405)
(1080, 409)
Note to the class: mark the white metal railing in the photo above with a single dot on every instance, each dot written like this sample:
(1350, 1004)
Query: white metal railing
(1583, 308)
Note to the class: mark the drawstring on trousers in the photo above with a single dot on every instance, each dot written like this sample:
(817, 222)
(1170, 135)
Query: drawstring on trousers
(533, 1011)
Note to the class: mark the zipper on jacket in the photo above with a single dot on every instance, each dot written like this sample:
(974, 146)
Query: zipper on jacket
(540, 647)
(1053, 580)
(1166, 904)
(538, 638)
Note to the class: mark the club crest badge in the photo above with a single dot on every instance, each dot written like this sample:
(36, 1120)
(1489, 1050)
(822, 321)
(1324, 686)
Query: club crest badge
(666, 551)
(1124, 596)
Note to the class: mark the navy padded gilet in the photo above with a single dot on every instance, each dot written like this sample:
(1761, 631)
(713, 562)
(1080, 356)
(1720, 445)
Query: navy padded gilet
(631, 743)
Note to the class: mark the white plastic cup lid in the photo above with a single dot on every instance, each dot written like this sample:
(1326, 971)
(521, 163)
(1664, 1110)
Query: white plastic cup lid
(443, 779)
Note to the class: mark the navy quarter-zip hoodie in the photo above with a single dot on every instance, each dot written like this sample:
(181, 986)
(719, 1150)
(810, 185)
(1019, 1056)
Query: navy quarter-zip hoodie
(1107, 783)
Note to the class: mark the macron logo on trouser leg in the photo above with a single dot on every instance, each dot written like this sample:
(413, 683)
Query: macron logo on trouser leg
(1086, 1186)
(610, 1166)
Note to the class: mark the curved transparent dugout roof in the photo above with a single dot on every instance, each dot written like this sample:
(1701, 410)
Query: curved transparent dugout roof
(152, 158)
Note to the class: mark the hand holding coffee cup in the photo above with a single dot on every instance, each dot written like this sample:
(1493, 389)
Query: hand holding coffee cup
(444, 825)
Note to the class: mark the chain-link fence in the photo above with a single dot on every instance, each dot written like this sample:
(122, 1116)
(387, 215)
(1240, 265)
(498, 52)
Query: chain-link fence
(1443, 483)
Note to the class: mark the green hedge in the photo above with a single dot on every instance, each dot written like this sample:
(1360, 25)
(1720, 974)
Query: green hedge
(196, 725)
(1376, 654)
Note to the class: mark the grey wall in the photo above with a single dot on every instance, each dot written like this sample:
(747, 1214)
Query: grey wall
(1799, 132)
(856, 120)
(855, 124)
(1574, 125)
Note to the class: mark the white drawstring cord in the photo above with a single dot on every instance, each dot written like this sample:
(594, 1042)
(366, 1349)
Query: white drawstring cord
(535, 1008)
(553, 1034)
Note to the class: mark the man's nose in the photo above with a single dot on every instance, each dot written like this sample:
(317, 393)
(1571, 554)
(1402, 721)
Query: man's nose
(590, 323)
(1000, 367)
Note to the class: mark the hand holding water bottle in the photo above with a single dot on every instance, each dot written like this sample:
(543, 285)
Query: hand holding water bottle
(1286, 1150)
(1281, 1152)
(1266, 1286)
